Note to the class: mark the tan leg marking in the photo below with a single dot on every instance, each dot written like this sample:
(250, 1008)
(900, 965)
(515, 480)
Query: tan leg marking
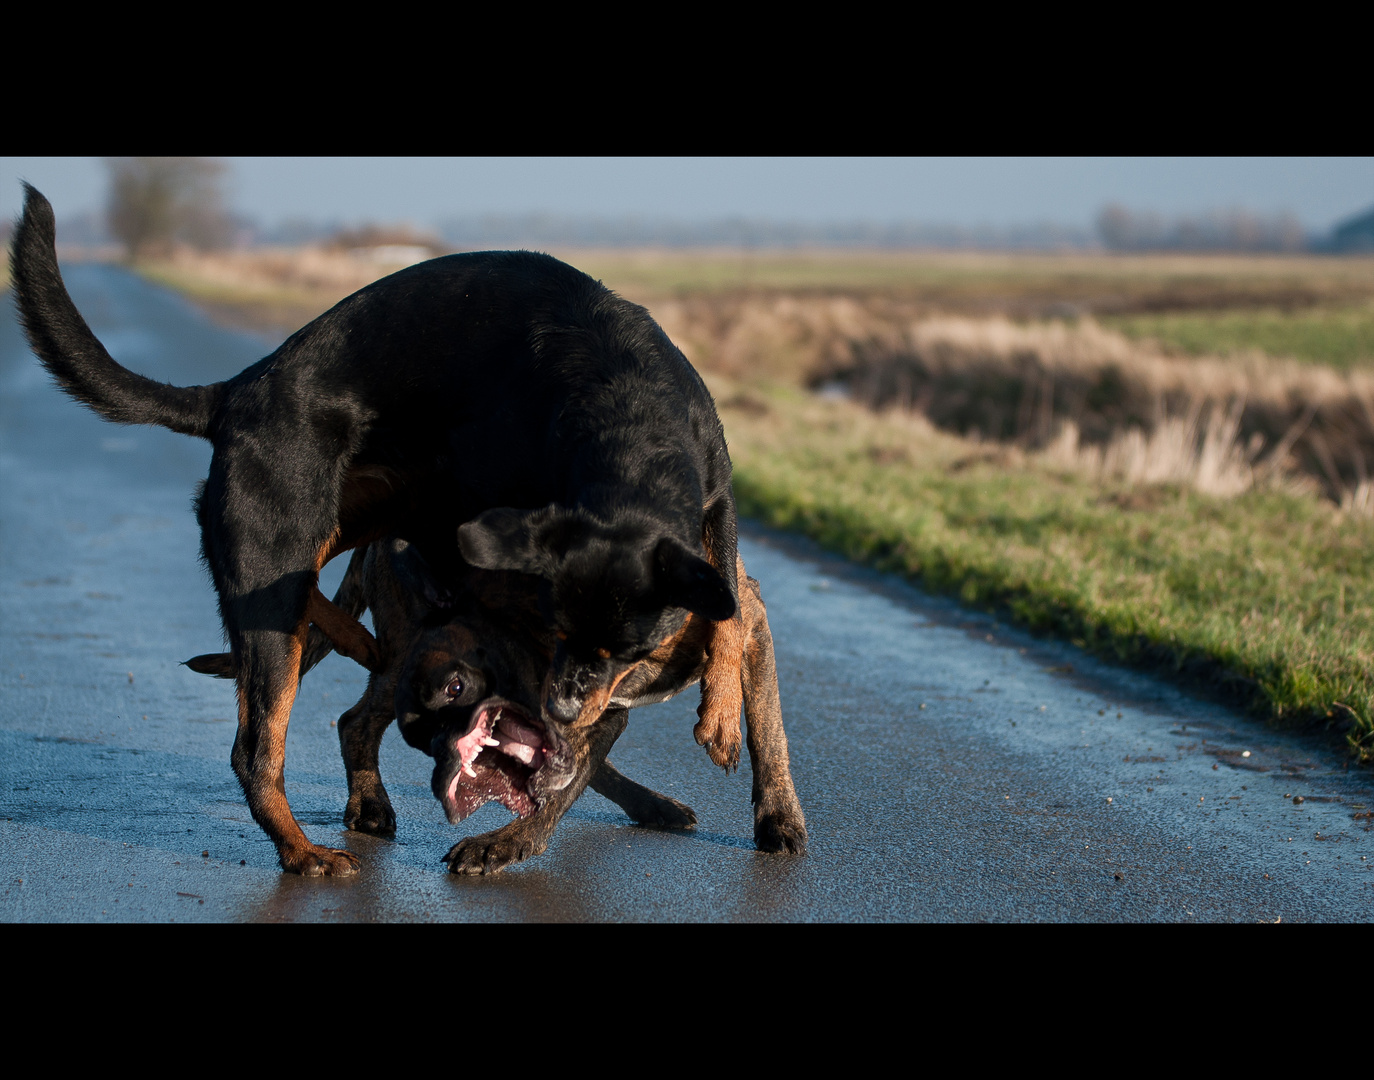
(349, 637)
(268, 799)
(722, 688)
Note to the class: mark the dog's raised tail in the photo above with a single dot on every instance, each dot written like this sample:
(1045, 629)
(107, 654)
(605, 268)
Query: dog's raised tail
(76, 359)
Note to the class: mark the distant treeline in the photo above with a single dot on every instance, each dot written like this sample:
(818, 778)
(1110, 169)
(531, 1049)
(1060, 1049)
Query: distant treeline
(1117, 229)
(740, 232)
(1121, 229)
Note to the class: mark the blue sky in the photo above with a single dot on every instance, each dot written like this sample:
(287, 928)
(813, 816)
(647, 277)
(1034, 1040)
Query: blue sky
(966, 192)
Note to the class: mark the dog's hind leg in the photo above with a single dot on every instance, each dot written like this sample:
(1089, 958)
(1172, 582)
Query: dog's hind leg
(360, 738)
(266, 563)
(268, 674)
(346, 635)
(778, 821)
(645, 806)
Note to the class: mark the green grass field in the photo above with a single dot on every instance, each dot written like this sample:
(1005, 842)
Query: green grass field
(1342, 338)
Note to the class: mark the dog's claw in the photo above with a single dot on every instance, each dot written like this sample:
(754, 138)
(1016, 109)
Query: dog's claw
(718, 730)
(724, 754)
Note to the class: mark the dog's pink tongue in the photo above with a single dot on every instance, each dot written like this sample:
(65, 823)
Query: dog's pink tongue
(517, 740)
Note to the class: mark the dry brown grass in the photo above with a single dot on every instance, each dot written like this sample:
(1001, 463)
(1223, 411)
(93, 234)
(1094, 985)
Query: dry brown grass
(1121, 408)
(309, 268)
(271, 289)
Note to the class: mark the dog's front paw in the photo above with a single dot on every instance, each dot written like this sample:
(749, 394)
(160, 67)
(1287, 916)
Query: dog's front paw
(780, 830)
(490, 852)
(718, 730)
(662, 812)
(312, 861)
(371, 814)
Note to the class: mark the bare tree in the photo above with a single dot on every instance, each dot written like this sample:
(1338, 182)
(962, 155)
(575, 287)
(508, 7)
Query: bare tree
(154, 201)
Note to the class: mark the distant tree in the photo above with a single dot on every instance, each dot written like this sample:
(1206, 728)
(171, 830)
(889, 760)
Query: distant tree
(371, 236)
(156, 201)
(1354, 233)
(1233, 230)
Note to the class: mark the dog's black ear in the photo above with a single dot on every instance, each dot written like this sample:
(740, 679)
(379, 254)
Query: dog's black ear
(503, 539)
(530, 541)
(685, 580)
(417, 578)
(220, 665)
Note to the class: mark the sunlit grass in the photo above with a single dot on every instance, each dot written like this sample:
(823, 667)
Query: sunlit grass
(1268, 597)
(1340, 337)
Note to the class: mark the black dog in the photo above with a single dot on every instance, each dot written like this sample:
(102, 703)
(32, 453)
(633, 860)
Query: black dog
(445, 394)
(461, 665)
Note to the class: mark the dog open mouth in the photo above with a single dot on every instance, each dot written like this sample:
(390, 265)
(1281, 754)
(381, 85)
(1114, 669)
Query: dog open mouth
(500, 759)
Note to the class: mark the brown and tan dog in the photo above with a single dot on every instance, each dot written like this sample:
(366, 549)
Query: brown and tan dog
(464, 668)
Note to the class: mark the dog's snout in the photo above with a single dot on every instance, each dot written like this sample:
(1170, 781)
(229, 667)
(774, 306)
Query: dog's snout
(563, 708)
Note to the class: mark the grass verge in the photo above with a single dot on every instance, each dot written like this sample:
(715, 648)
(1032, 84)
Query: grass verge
(1266, 598)
(1342, 338)
(266, 307)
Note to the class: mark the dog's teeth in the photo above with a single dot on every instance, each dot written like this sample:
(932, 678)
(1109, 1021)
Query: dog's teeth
(470, 771)
(491, 742)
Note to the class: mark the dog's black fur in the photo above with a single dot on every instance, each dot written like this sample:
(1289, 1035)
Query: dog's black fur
(504, 390)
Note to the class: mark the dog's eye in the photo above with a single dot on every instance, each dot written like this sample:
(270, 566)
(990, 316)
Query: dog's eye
(454, 688)
(605, 654)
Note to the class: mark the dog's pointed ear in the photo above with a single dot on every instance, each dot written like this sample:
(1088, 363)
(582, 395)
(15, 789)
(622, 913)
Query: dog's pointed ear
(416, 578)
(530, 541)
(685, 580)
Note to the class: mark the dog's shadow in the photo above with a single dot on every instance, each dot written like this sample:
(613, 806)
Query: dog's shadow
(620, 821)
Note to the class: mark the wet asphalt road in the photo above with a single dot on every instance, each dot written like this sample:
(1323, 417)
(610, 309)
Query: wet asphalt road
(950, 768)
